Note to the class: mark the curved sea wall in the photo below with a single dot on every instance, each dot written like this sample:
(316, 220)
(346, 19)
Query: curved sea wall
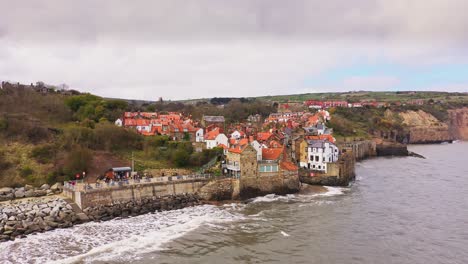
(21, 218)
(143, 206)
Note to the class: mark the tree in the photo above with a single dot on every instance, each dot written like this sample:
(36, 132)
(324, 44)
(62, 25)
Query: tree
(181, 158)
(78, 160)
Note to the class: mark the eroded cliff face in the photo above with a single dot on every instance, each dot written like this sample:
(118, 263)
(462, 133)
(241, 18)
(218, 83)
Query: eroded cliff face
(425, 128)
(458, 123)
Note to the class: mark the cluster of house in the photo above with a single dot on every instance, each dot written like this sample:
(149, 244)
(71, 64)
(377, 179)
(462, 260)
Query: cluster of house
(174, 125)
(317, 104)
(293, 120)
(296, 139)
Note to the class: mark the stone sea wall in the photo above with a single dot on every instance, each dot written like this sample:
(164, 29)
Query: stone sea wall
(361, 149)
(20, 218)
(340, 173)
(143, 206)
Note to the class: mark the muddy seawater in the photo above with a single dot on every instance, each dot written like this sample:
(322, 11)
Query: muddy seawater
(399, 210)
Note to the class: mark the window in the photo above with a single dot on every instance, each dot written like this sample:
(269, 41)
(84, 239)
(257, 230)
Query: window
(274, 168)
(323, 159)
(317, 158)
(319, 167)
(313, 166)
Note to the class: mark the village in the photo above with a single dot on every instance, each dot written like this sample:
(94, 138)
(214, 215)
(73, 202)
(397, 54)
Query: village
(283, 143)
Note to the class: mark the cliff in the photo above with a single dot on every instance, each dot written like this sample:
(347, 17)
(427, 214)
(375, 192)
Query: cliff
(425, 128)
(458, 123)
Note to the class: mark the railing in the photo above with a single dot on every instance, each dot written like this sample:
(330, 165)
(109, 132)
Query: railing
(80, 186)
(267, 161)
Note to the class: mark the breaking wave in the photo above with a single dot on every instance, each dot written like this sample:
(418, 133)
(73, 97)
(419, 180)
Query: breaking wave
(120, 240)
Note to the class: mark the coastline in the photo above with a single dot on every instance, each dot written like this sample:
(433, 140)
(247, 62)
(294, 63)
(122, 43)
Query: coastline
(60, 213)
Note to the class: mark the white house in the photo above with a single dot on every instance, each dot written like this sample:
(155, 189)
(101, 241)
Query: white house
(118, 122)
(199, 135)
(319, 153)
(237, 135)
(258, 147)
(219, 139)
(213, 138)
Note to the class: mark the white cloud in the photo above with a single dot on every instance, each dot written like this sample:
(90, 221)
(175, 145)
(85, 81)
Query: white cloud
(191, 49)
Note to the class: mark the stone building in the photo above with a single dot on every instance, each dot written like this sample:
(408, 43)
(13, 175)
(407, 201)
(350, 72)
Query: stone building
(217, 121)
(272, 174)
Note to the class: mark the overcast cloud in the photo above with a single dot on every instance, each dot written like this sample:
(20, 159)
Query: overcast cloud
(182, 49)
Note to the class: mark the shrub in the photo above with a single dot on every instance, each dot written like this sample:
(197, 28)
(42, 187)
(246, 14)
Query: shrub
(26, 171)
(4, 164)
(44, 154)
(78, 160)
(181, 158)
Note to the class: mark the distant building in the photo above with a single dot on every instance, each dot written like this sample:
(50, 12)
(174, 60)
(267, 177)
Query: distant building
(218, 121)
(199, 135)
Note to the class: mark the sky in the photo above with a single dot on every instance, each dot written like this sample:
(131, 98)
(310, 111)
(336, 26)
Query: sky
(187, 49)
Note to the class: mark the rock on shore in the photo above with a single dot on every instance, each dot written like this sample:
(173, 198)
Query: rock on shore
(18, 219)
(27, 191)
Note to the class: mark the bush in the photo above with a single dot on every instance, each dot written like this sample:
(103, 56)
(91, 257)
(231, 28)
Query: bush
(26, 171)
(181, 158)
(78, 160)
(4, 164)
(3, 124)
(44, 154)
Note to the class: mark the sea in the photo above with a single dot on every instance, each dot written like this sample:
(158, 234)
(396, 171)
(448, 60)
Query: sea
(399, 210)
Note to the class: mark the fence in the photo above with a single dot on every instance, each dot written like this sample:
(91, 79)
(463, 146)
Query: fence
(80, 186)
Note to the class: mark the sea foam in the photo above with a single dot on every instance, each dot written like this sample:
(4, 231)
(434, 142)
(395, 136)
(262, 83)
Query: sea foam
(119, 240)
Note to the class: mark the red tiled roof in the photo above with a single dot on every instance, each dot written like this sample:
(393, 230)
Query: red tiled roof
(271, 153)
(142, 122)
(237, 149)
(275, 144)
(263, 136)
(212, 134)
(223, 146)
(243, 141)
(323, 137)
(287, 165)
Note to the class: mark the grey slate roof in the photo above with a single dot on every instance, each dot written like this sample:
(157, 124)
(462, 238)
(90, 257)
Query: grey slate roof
(318, 143)
(213, 118)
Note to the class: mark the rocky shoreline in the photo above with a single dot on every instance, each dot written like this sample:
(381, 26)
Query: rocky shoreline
(23, 217)
(7, 193)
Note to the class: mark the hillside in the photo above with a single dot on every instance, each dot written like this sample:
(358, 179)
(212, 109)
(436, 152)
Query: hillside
(50, 136)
